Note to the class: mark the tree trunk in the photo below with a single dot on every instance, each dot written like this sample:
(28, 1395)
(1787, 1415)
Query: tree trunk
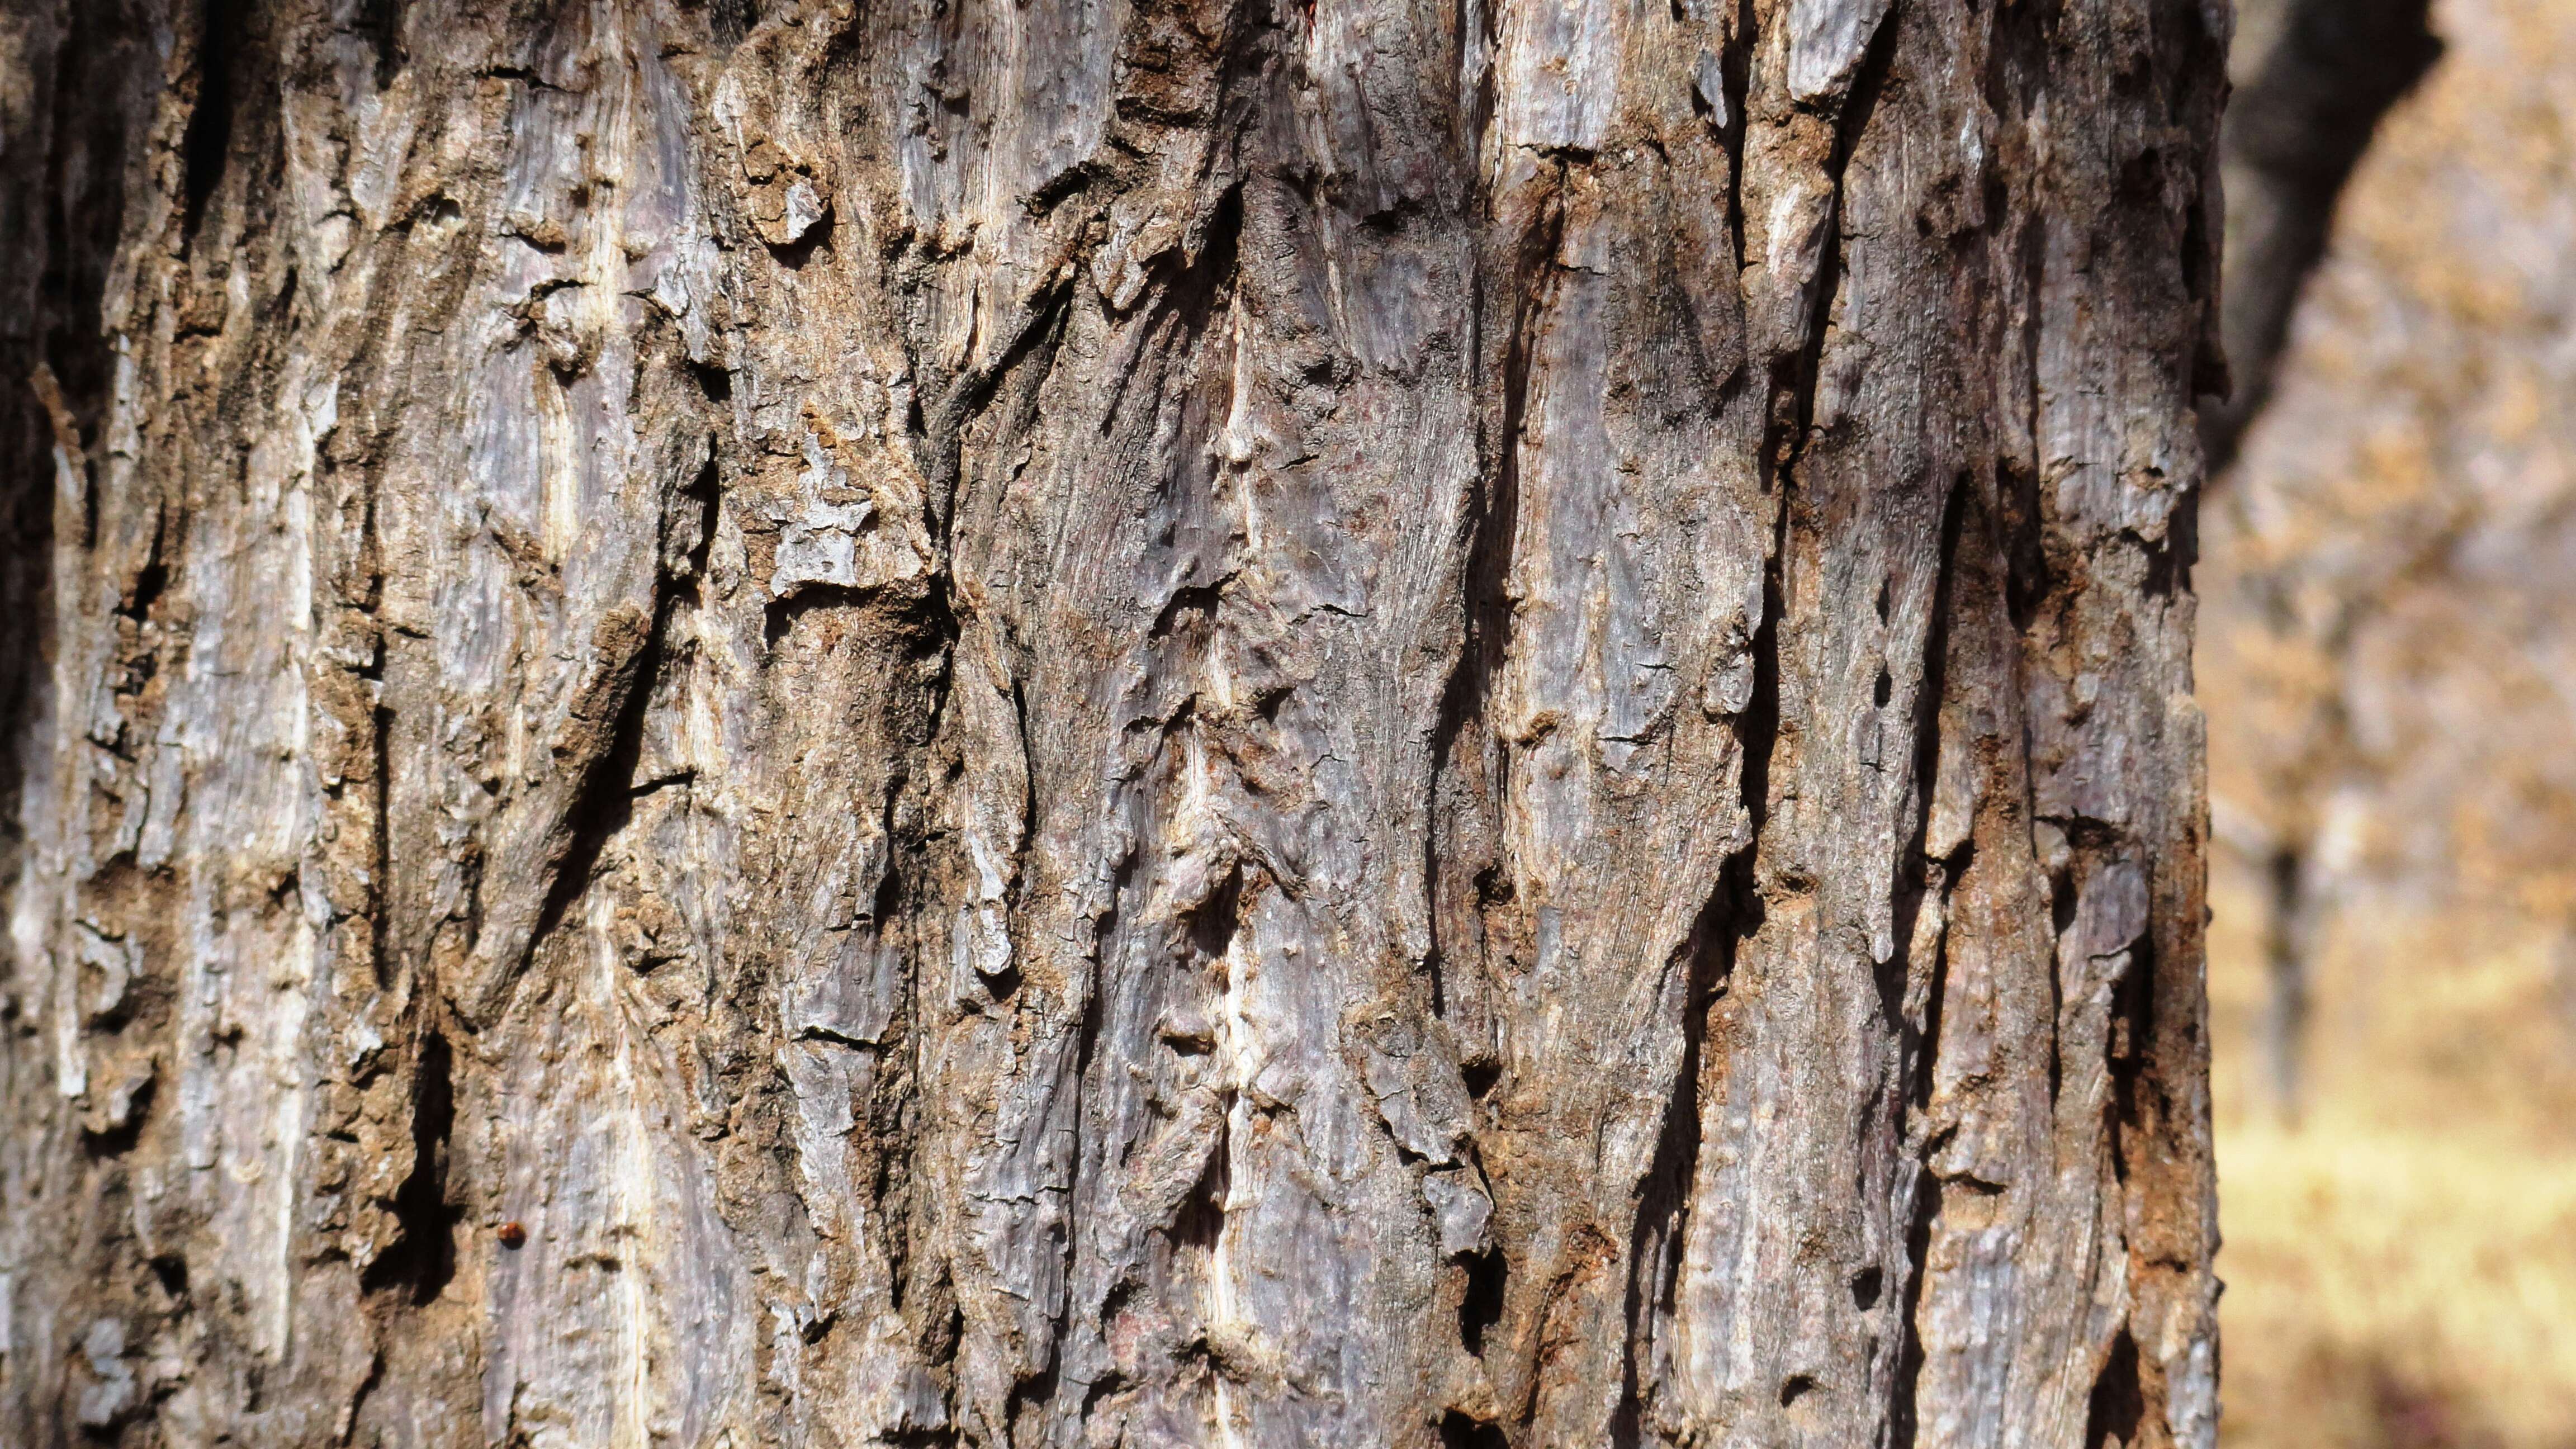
(2318, 75)
(1066, 724)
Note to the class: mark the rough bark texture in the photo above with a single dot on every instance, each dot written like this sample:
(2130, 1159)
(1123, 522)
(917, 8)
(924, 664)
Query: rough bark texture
(1067, 723)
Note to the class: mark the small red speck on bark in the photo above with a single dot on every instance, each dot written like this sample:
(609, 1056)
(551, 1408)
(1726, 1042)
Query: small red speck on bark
(512, 1235)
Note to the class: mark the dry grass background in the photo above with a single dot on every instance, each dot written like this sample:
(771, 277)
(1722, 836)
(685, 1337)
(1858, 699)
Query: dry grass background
(2401, 1266)
(2389, 663)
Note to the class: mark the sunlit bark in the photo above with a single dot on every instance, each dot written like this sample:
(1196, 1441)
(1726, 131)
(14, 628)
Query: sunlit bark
(1062, 723)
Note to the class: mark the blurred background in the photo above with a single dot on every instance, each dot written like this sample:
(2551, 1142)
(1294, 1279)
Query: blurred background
(2388, 662)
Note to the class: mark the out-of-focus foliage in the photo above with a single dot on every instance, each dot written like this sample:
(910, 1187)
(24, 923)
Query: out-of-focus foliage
(2388, 659)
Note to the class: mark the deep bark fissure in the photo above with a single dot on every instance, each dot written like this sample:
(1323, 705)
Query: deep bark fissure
(1904, 1419)
(1914, 1042)
(1735, 82)
(1918, 1041)
(2133, 1026)
(1663, 1208)
(423, 1260)
(2117, 1402)
(603, 802)
(207, 145)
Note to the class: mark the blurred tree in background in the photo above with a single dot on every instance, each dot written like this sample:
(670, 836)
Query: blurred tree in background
(2388, 659)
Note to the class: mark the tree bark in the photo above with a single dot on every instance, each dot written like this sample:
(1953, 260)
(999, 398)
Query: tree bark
(1075, 724)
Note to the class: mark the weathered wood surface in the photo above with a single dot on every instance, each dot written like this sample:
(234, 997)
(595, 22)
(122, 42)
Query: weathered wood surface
(1080, 724)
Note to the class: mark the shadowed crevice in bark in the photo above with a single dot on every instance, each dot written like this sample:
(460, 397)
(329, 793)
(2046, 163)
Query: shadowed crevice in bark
(1663, 1209)
(938, 433)
(1905, 1413)
(1917, 1041)
(1185, 304)
(2138, 1100)
(603, 800)
(815, 241)
(1465, 1431)
(1915, 884)
(2018, 53)
(1795, 375)
(605, 738)
(1735, 81)
(63, 202)
(1465, 755)
(423, 1260)
(1495, 524)
(2118, 1401)
(1480, 1306)
(208, 142)
(731, 20)
(381, 22)
(118, 1136)
(1967, 521)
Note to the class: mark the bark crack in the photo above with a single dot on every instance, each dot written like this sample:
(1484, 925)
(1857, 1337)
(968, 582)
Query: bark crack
(207, 144)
